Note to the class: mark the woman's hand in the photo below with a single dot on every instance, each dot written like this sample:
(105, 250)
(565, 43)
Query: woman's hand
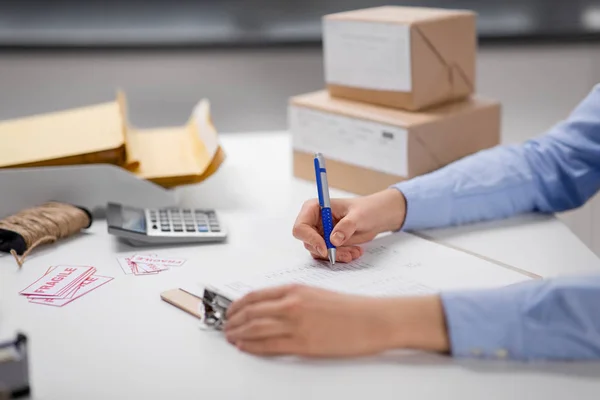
(306, 321)
(356, 221)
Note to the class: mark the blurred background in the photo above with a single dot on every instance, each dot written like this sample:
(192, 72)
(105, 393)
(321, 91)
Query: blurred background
(538, 57)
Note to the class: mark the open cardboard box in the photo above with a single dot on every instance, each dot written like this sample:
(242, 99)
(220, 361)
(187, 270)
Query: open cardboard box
(91, 156)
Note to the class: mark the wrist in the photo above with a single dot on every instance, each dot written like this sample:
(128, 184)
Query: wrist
(416, 323)
(394, 208)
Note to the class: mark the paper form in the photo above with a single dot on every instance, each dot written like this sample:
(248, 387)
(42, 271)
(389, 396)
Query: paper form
(397, 264)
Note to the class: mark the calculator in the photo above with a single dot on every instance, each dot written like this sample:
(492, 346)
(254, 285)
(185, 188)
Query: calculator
(144, 226)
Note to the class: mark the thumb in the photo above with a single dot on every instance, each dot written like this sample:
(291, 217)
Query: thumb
(343, 230)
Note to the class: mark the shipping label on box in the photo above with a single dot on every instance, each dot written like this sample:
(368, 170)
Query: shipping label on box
(367, 54)
(363, 143)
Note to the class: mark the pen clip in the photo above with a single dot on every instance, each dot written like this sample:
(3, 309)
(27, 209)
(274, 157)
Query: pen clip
(317, 163)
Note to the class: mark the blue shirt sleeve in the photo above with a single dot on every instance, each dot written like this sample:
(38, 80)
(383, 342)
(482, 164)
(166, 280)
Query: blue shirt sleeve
(553, 319)
(556, 319)
(557, 171)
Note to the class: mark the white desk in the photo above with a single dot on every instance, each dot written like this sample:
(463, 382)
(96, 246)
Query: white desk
(123, 342)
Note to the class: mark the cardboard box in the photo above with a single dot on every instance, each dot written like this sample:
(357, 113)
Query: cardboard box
(403, 57)
(368, 147)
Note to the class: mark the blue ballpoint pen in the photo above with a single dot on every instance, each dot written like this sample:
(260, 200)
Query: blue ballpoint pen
(325, 203)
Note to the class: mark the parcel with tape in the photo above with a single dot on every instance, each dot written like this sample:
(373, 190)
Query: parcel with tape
(403, 57)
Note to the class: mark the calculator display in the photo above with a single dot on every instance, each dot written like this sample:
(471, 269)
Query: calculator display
(133, 219)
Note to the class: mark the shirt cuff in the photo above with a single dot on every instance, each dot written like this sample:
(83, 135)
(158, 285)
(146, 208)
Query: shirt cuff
(485, 323)
(424, 209)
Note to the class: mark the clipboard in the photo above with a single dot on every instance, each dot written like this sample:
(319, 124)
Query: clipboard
(211, 305)
(211, 308)
(183, 300)
(214, 308)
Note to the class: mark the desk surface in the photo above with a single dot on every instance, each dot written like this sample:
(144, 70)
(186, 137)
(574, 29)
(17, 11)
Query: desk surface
(123, 342)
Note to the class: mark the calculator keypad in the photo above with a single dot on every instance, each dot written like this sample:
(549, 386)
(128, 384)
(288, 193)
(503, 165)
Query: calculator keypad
(183, 221)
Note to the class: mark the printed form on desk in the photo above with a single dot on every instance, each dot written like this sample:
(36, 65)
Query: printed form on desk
(393, 265)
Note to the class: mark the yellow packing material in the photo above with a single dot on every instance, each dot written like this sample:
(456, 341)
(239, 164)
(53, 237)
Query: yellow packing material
(101, 134)
(93, 134)
(180, 155)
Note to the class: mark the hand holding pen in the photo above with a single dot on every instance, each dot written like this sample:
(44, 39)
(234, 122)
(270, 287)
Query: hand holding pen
(355, 221)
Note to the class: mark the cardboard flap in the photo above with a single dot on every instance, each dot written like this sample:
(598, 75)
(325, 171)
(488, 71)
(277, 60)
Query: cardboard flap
(176, 156)
(205, 129)
(210, 170)
(131, 159)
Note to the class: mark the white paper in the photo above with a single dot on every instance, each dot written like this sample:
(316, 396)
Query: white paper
(398, 264)
(369, 55)
(353, 141)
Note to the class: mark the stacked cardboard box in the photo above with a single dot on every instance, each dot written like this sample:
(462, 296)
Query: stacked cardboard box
(399, 100)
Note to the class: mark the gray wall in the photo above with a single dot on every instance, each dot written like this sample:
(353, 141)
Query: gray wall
(248, 89)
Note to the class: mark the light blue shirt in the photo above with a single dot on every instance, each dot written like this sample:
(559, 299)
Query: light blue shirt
(552, 319)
